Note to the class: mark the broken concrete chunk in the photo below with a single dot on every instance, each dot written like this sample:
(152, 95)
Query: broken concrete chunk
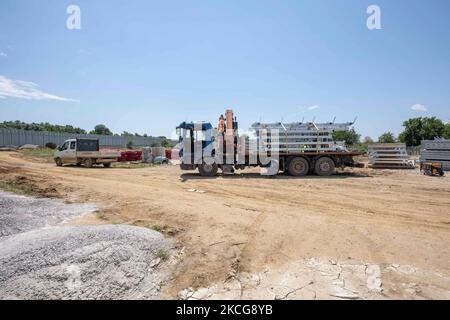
(373, 273)
(200, 294)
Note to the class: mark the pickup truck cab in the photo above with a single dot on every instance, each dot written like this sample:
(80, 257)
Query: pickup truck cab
(84, 152)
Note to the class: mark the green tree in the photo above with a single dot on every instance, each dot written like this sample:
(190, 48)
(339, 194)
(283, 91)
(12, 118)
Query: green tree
(43, 126)
(446, 133)
(126, 134)
(350, 137)
(418, 129)
(166, 143)
(102, 130)
(387, 137)
(130, 144)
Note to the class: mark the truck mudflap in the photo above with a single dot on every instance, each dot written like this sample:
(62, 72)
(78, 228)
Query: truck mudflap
(353, 164)
(348, 161)
(357, 164)
(184, 166)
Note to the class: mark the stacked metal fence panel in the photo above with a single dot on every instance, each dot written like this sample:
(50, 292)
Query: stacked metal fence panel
(298, 137)
(437, 150)
(389, 156)
(18, 138)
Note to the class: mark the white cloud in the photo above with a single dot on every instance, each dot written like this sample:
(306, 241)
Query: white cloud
(25, 90)
(306, 109)
(419, 108)
(2, 54)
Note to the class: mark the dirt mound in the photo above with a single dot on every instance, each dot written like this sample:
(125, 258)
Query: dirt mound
(39, 187)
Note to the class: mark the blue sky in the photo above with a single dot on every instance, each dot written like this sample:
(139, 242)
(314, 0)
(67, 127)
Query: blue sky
(145, 66)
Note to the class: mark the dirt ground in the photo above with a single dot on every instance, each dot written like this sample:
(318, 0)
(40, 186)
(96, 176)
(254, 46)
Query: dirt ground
(372, 222)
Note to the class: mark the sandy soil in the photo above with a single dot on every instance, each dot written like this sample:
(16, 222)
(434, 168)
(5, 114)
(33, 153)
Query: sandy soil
(247, 224)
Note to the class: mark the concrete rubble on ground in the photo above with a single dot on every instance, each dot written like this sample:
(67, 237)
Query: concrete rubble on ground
(29, 147)
(8, 148)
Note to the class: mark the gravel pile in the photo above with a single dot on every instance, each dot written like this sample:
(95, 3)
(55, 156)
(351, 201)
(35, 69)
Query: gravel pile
(20, 213)
(64, 262)
(92, 262)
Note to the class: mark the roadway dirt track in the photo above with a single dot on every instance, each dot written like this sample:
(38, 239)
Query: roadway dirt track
(248, 223)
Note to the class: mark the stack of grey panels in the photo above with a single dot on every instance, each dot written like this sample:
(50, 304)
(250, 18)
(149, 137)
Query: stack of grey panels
(437, 150)
(298, 137)
(389, 156)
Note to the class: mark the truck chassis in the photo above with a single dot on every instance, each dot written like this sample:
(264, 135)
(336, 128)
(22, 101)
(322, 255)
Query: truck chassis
(295, 164)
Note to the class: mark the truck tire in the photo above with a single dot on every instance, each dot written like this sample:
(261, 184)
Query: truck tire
(208, 170)
(88, 163)
(298, 167)
(324, 166)
(58, 162)
(107, 165)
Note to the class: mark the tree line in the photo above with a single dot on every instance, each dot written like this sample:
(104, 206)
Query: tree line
(99, 129)
(414, 131)
(43, 126)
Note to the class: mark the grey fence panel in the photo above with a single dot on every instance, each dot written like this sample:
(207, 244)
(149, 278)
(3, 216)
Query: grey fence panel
(20, 137)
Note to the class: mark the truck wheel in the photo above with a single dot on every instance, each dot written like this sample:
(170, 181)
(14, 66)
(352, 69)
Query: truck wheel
(324, 167)
(298, 167)
(107, 165)
(88, 163)
(208, 170)
(58, 162)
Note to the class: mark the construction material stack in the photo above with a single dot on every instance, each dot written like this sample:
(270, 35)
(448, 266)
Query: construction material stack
(389, 156)
(158, 151)
(437, 150)
(299, 137)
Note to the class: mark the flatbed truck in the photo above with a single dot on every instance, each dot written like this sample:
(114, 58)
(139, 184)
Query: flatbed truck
(319, 158)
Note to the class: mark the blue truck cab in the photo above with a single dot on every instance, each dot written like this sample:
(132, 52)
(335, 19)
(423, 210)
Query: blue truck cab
(193, 136)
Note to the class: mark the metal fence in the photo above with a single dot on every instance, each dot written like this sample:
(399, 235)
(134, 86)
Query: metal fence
(15, 137)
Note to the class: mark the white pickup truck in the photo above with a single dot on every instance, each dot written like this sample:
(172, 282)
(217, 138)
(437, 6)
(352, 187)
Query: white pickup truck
(84, 152)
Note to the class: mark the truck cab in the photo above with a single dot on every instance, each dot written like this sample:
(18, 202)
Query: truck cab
(83, 152)
(193, 136)
(67, 152)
